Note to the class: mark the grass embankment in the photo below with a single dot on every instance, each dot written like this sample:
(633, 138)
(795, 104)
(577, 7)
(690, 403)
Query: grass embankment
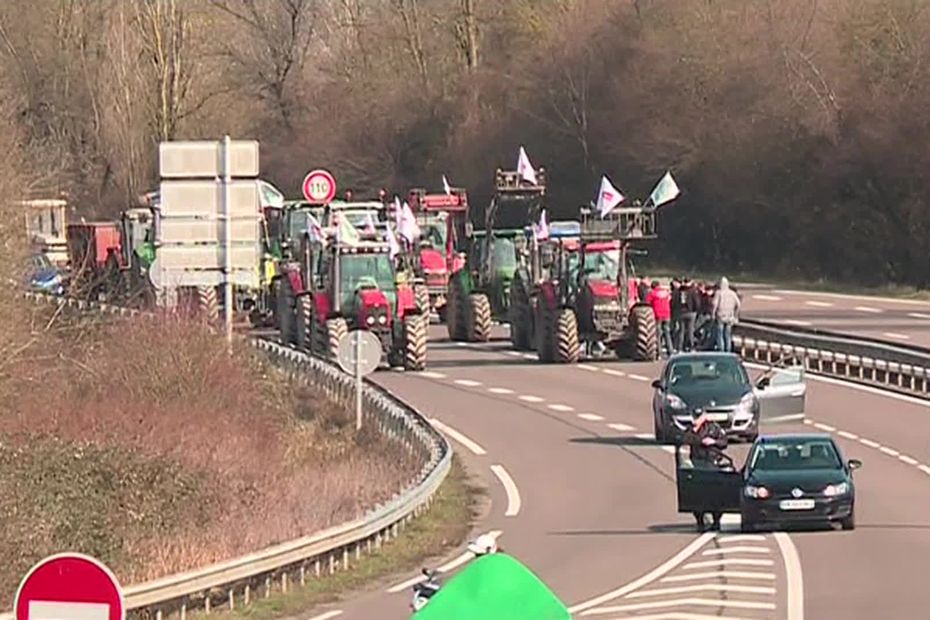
(144, 444)
(793, 282)
(433, 535)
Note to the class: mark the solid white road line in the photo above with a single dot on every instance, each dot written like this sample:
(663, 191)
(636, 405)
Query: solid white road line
(819, 304)
(644, 436)
(623, 428)
(680, 615)
(514, 353)
(590, 417)
(707, 587)
(445, 568)
(500, 390)
(796, 322)
(868, 309)
(615, 373)
(429, 374)
(740, 538)
(728, 561)
(528, 356)
(467, 382)
(638, 377)
(767, 297)
(531, 399)
(724, 550)
(648, 578)
(918, 315)
(847, 435)
(558, 407)
(331, 614)
(689, 602)
(459, 437)
(896, 335)
(795, 577)
(722, 574)
(895, 300)
(513, 495)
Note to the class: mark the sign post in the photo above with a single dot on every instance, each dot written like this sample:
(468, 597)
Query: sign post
(358, 353)
(227, 245)
(69, 586)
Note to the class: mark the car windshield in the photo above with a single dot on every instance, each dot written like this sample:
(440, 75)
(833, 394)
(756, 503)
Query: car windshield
(40, 262)
(433, 233)
(797, 454)
(714, 372)
(298, 224)
(601, 265)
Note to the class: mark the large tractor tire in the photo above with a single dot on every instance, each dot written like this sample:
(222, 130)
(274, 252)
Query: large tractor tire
(421, 297)
(208, 307)
(645, 335)
(284, 310)
(305, 323)
(545, 346)
(415, 337)
(566, 349)
(477, 318)
(335, 330)
(521, 317)
(455, 309)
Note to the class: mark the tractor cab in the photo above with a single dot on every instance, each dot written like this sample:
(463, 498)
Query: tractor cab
(362, 216)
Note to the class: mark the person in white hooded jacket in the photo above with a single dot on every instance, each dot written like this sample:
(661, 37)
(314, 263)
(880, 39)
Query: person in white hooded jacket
(726, 308)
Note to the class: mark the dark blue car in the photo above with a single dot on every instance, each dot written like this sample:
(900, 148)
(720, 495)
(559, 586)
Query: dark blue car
(44, 277)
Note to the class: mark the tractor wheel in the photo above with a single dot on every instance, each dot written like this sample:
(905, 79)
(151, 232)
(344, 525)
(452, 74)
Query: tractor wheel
(208, 307)
(335, 330)
(455, 309)
(305, 323)
(545, 347)
(521, 323)
(565, 337)
(415, 328)
(645, 335)
(421, 295)
(285, 312)
(478, 318)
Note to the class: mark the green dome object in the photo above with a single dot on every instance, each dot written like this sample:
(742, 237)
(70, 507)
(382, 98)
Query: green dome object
(494, 587)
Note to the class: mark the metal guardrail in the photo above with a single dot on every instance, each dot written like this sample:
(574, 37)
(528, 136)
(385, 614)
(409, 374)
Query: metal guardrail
(905, 370)
(236, 582)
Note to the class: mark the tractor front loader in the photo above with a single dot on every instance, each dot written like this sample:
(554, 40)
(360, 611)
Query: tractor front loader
(589, 305)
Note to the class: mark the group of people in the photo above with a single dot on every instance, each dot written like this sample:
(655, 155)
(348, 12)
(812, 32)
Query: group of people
(692, 315)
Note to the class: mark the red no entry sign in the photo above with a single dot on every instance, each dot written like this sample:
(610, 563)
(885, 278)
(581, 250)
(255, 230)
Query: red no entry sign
(69, 586)
(319, 187)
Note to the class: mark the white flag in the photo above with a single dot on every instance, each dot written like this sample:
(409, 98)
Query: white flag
(666, 191)
(541, 230)
(315, 230)
(397, 211)
(525, 168)
(608, 197)
(446, 186)
(393, 245)
(346, 233)
(407, 226)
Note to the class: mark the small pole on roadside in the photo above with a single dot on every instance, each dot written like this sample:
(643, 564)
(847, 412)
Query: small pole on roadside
(358, 381)
(227, 245)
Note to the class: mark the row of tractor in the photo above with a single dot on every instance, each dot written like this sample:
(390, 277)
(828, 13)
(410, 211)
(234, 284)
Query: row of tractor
(565, 289)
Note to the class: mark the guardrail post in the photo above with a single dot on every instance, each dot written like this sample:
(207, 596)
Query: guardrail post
(232, 599)
(246, 596)
(316, 568)
(184, 610)
(303, 575)
(206, 604)
(358, 551)
(332, 564)
(284, 582)
(267, 586)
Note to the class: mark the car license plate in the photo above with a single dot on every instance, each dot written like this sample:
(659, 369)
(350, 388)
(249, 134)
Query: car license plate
(718, 417)
(796, 504)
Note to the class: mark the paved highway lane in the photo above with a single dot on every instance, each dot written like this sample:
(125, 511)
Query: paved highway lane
(597, 506)
(895, 320)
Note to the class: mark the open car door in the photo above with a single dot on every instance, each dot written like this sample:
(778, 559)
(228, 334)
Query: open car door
(704, 487)
(782, 393)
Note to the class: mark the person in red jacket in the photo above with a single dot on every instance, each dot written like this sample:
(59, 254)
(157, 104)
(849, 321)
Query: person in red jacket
(660, 299)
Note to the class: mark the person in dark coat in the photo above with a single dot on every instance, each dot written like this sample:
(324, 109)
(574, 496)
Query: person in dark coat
(707, 441)
(677, 309)
(690, 303)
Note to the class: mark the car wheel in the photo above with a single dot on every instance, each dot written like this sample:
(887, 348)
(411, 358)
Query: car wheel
(849, 523)
(658, 430)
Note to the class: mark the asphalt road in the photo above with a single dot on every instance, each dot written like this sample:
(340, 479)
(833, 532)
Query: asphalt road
(589, 504)
(903, 321)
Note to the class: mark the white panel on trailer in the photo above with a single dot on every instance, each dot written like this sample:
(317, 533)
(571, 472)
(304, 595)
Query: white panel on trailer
(193, 159)
(190, 198)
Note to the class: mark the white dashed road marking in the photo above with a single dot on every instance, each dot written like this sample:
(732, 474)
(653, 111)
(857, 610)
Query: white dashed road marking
(918, 315)
(824, 427)
(906, 459)
(638, 377)
(924, 469)
(588, 367)
(889, 451)
(328, 615)
(732, 538)
(429, 374)
(558, 407)
(467, 382)
(847, 435)
(513, 495)
(767, 297)
(798, 323)
(530, 398)
(623, 428)
(500, 390)
(868, 309)
(869, 443)
(819, 304)
(896, 336)
(615, 373)
(591, 417)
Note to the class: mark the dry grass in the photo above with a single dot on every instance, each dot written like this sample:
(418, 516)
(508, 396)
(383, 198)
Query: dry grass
(142, 442)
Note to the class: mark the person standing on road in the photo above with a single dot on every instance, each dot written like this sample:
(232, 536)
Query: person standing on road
(676, 313)
(642, 289)
(689, 301)
(707, 441)
(726, 315)
(660, 300)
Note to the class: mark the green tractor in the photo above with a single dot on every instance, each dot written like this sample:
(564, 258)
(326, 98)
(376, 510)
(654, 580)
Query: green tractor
(480, 293)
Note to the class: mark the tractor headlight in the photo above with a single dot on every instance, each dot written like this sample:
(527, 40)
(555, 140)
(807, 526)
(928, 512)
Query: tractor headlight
(370, 320)
(382, 320)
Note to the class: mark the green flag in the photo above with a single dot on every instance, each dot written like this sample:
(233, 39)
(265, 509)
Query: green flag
(666, 191)
(494, 587)
(346, 232)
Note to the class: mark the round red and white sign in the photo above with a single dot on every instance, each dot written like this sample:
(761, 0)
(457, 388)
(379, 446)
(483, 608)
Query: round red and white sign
(319, 187)
(69, 586)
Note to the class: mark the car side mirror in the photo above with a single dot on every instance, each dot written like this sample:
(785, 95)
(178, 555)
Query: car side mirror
(764, 382)
(855, 464)
(657, 384)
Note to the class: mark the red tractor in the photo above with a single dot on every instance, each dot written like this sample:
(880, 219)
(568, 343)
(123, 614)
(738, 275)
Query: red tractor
(334, 286)
(590, 299)
(442, 219)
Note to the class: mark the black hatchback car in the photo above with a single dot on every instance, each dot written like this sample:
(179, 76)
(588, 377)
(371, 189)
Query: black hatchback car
(719, 386)
(787, 479)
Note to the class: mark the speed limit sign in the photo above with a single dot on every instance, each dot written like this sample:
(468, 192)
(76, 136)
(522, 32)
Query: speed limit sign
(319, 187)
